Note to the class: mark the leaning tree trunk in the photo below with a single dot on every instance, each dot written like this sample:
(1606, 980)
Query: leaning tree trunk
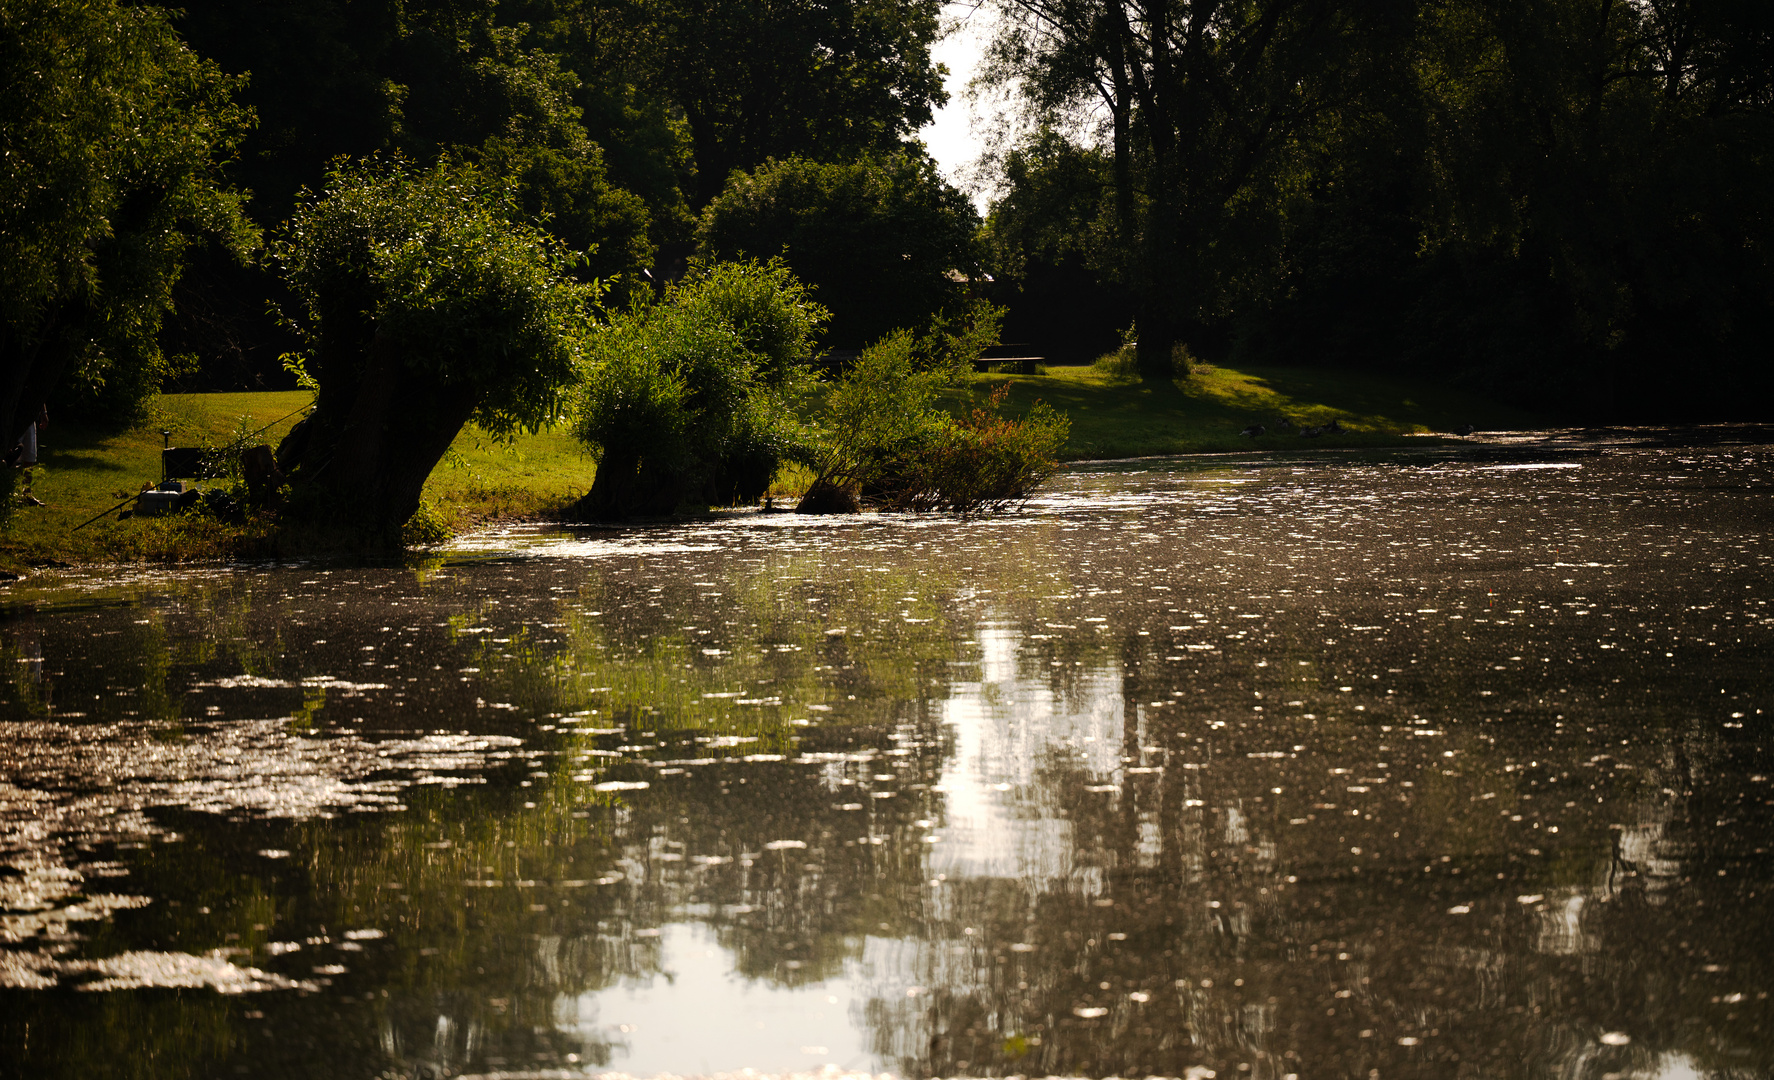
(358, 463)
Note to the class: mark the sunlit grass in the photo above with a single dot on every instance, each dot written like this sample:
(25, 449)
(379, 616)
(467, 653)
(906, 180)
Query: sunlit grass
(482, 480)
(1120, 416)
(85, 470)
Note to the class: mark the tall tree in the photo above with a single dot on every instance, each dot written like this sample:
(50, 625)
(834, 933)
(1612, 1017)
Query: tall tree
(758, 79)
(427, 79)
(112, 140)
(1207, 105)
(1554, 199)
(1600, 175)
(880, 241)
(349, 78)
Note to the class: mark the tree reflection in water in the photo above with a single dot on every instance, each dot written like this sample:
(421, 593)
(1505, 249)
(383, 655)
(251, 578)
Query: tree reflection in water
(1089, 791)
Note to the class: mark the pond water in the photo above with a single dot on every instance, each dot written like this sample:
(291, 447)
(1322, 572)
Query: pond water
(1435, 764)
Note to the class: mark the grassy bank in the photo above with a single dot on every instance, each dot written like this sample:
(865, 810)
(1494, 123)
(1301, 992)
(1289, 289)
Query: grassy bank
(84, 471)
(1117, 416)
(480, 480)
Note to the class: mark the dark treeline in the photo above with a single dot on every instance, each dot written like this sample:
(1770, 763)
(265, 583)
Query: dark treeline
(615, 122)
(156, 156)
(1561, 201)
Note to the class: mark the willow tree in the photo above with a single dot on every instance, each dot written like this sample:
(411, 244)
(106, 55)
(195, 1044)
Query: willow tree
(694, 401)
(426, 304)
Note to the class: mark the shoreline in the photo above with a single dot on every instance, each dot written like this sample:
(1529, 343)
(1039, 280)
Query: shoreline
(20, 562)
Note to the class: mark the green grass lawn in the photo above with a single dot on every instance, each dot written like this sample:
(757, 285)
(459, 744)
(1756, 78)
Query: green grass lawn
(481, 479)
(84, 471)
(1118, 416)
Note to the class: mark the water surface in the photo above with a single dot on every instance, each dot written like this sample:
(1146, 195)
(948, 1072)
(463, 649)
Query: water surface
(1441, 765)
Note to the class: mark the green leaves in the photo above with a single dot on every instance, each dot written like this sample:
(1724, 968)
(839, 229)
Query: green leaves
(767, 307)
(566, 191)
(112, 140)
(880, 241)
(880, 414)
(431, 267)
(698, 394)
(882, 431)
(758, 80)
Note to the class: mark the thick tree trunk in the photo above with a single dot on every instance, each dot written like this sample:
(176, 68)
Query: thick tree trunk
(627, 486)
(1162, 279)
(1157, 271)
(358, 463)
(1157, 340)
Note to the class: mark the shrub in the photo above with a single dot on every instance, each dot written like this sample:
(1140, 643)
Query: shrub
(879, 415)
(693, 400)
(766, 306)
(1124, 363)
(984, 460)
(883, 436)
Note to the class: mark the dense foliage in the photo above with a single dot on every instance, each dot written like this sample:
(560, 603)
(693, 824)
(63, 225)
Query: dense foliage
(882, 242)
(985, 460)
(757, 79)
(425, 305)
(1564, 201)
(692, 401)
(112, 139)
(614, 120)
(878, 415)
(1561, 201)
(883, 436)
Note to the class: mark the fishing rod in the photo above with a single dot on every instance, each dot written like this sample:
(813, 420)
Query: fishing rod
(102, 513)
(276, 422)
